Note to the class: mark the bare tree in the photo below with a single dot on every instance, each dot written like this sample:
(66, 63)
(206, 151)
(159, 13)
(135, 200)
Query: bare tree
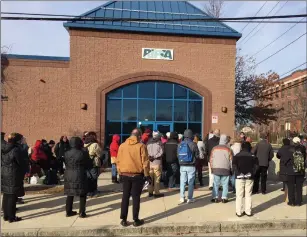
(214, 8)
(4, 65)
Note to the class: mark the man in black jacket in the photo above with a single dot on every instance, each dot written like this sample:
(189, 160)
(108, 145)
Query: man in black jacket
(211, 143)
(171, 160)
(264, 152)
(244, 165)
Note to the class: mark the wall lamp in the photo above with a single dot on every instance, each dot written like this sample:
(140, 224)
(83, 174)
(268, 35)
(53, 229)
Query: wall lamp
(224, 110)
(84, 106)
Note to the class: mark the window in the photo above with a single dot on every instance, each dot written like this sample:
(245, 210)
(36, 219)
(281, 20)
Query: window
(180, 92)
(129, 110)
(114, 127)
(147, 90)
(180, 127)
(195, 111)
(295, 106)
(289, 107)
(180, 110)
(130, 91)
(296, 87)
(289, 88)
(195, 127)
(146, 110)
(194, 96)
(282, 91)
(128, 127)
(164, 90)
(164, 110)
(305, 84)
(114, 109)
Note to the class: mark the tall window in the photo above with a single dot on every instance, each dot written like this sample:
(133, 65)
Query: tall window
(289, 88)
(289, 107)
(305, 84)
(152, 102)
(282, 91)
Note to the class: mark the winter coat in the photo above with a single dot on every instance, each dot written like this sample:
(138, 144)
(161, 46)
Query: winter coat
(284, 154)
(221, 158)
(95, 153)
(236, 148)
(114, 148)
(60, 149)
(77, 162)
(132, 157)
(212, 142)
(264, 152)
(170, 151)
(39, 156)
(243, 163)
(155, 150)
(12, 169)
(163, 140)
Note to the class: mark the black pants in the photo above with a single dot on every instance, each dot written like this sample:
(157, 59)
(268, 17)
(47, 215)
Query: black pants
(132, 186)
(70, 201)
(9, 206)
(172, 170)
(61, 166)
(93, 180)
(199, 169)
(263, 173)
(295, 189)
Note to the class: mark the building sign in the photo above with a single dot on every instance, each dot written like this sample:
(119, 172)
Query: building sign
(215, 119)
(159, 54)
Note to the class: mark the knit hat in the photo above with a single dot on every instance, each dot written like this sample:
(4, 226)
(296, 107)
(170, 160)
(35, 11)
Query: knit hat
(188, 133)
(168, 135)
(155, 134)
(147, 130)
(296, 140)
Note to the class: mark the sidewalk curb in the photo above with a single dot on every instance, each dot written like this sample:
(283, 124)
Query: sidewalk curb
(176, 229)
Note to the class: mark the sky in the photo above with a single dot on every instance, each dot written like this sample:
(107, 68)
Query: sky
(52, 39)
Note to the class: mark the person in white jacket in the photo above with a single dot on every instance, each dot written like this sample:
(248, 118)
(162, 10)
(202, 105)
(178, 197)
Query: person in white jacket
(235, 148)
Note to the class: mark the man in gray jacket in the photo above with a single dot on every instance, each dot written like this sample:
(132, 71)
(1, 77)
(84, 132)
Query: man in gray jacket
(264, 152)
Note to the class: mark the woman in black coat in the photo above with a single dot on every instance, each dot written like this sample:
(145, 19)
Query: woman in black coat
(12, 174)
(284, 154)
(77, 162)
(59, 152)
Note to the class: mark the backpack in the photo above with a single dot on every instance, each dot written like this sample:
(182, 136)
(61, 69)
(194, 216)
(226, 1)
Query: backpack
(298, 162)
(184, 153)
(155, 150)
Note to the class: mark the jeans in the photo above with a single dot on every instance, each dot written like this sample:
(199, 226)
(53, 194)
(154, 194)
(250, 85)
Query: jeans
(187, 173)
(224, 181)
(172, 170)
(132, 186)
(155, 174)
(233, 181)
(114, 170)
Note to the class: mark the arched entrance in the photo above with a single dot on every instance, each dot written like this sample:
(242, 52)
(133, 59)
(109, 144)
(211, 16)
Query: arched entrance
(162, 101)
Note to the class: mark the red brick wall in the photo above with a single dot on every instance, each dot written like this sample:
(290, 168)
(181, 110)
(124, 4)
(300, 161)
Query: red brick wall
(97, 59)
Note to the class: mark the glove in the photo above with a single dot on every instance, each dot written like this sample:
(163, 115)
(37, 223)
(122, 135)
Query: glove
(148, 179)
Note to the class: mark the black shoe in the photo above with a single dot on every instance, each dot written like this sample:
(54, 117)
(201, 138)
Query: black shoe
(158, 195)
(244, 213)
(210, 188)
(263, 192)
(220, 189)
(239, 215)
(299, 204)
(138, 223)
(255, 192)
(224, 200)
(234, 191)
(5, 218)
(82, 215)
(291, 204)
(215, 200)
(124, 223)
(150, 195)
(20, 201)
(282, 190)
(16, 219)
(73, 213)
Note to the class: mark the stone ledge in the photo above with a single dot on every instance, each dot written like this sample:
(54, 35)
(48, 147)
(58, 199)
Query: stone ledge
(175, 229)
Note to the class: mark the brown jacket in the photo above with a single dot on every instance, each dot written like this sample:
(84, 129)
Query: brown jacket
(132, 157)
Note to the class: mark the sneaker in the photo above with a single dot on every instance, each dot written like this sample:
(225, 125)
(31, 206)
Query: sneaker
(16, 219)
(138, 223)
(191, 200)
(291, 204)
(73, 213)
(263, 193)
(124, 223)
(150, 195)
(181, 201)
(158, 195)
(249, 215)
(239, 215)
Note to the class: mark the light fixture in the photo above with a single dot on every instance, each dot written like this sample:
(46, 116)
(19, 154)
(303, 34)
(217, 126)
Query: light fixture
(84, 106)
(224, 110)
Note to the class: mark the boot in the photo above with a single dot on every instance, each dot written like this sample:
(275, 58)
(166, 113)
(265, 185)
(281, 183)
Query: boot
(115, 180)
(201, 183)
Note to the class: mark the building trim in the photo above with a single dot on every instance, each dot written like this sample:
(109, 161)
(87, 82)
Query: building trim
(37, 57)
(104, 89)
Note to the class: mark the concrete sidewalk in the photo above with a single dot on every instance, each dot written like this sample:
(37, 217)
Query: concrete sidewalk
(45, 214)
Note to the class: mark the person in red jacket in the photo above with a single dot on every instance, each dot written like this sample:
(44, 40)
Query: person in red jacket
(146, 136)
(114, 150)
(39, 157)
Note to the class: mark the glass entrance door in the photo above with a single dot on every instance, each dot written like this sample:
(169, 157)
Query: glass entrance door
(164, 127)
(144, 126)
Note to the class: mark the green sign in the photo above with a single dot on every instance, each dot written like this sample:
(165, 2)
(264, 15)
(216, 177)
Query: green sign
(158, 54)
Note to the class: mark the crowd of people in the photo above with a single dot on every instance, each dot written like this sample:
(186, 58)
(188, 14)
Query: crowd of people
(146, 159)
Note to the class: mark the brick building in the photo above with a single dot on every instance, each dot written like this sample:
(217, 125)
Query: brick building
(122, 74)
(291, 95)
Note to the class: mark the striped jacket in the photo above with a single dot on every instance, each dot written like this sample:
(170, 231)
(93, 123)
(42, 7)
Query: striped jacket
(221, 160)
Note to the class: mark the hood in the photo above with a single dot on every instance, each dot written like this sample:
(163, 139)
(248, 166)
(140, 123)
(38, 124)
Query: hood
(132, 140)
(38, 143)
(173, 136)
(6, 148)
(223, 139)
(76, 142)
(116, 138)
(188, 134)
(154, 140)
